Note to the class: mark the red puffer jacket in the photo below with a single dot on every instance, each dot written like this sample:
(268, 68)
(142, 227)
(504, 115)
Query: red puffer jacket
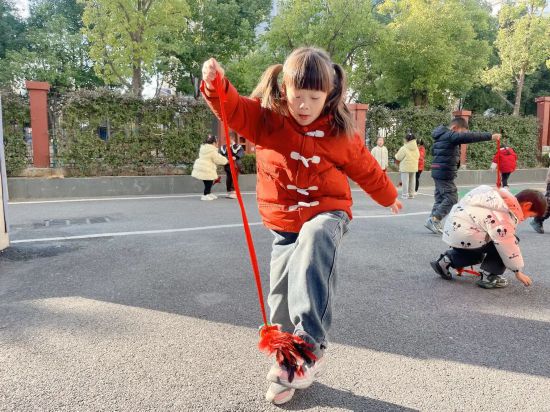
(508, 160)
(302, 171)
(422, 159)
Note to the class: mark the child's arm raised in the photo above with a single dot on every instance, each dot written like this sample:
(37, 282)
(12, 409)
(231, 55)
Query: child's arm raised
(472, 137)
(243, 114)
(364, 170)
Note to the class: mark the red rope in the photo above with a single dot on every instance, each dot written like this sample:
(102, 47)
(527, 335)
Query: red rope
(471, 271)
(290, 351)
(218, 83)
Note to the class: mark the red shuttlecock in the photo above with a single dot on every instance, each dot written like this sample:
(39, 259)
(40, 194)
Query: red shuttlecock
(290, 351)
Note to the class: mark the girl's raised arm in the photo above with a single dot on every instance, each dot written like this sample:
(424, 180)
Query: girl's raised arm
(243, 114)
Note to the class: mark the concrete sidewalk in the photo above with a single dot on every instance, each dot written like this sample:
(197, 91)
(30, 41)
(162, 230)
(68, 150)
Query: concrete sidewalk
(41, 188)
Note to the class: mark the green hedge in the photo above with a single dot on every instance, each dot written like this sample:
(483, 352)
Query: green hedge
(249, 163)
(167, 132)
(15, 116)
(521, 133)
(159, 132)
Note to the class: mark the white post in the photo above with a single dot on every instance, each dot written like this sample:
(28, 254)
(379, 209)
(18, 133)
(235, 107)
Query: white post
(4, 238)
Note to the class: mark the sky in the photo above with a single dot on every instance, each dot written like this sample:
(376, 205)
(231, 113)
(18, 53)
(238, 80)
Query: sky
(23, 7)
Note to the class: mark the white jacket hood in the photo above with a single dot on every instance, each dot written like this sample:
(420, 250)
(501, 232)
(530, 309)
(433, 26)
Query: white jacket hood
(207, 149)
(500, 200)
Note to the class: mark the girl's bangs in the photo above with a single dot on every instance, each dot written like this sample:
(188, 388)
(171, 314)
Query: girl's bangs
(308, 72)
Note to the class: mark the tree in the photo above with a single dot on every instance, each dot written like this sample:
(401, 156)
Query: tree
(11, 28)
(225, 29)
(523, 44)
(128, 37)
(42, 11)
(346, 29)
(53, 49)
(434, 50)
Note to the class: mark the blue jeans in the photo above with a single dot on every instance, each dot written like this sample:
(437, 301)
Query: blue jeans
(303, 277)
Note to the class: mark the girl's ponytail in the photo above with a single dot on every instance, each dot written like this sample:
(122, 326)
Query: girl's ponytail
(268, 90)
(336, 104)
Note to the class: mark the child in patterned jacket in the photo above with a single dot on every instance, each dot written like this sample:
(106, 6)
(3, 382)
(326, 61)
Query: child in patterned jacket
(482, 229)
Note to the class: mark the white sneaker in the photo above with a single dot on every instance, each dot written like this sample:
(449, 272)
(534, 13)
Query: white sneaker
(232, 195)
(279, 394)
(206, 197)
(213, 196)
(279, 375)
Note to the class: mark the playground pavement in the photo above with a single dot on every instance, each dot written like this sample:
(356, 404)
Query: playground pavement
(148, 304)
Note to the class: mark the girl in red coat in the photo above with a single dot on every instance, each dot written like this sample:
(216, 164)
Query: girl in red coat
(421, 161)
(508, 161)
(306, 148)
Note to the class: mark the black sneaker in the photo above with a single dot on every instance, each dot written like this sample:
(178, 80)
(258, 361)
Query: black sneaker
(492, 282)
(441, 267)
(535, 224)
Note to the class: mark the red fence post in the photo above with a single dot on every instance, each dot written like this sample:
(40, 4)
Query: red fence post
(465, 114)
(38, 96)
(359, 114)
(543, 114)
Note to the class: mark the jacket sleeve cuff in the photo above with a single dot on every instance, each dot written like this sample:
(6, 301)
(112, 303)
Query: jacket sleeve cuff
(206, 91)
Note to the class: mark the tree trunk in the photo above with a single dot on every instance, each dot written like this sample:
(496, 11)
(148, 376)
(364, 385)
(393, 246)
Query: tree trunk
(519, 91)
(137, 87)
(420, 98)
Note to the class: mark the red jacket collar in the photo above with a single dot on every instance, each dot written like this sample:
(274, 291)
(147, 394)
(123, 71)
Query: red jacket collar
(322, 123)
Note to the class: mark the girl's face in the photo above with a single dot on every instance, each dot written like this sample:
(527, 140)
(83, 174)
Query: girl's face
(305, 105)
(380, 142)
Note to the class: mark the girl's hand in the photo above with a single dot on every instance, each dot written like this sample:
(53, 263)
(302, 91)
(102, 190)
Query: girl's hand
(396, 207)
(209, 70)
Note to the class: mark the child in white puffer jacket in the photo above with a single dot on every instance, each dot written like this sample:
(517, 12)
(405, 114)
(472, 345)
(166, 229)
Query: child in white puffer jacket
(481, 228)
(205, 167)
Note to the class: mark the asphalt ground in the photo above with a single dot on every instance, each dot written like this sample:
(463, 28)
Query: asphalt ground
(148, 304)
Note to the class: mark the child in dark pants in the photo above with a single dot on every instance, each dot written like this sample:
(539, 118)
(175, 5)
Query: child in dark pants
(238, 153)
(421, 163)
(481, 229)
(506, 160)
(446, 159)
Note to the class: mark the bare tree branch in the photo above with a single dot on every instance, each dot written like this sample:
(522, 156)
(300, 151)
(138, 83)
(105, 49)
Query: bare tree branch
(503, 98)
(148, 5)
(349, 55)
(121, 6)
(336, 33)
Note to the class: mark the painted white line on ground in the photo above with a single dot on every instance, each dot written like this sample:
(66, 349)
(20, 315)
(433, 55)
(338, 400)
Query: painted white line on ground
(385, 216)
(108, 199)
(185, 229)
(533, 185)
(136, 233)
